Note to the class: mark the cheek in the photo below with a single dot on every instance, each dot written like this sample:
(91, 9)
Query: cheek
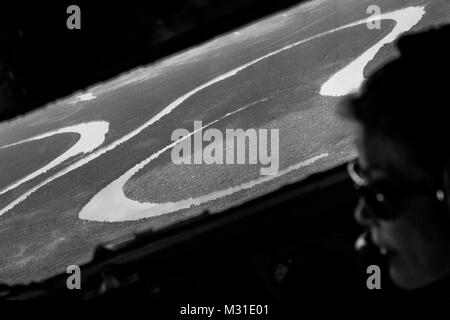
(417, 227)
(403, 238)
(421, 245)
(409, 264)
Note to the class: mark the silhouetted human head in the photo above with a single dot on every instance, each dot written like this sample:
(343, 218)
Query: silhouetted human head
(404, 148)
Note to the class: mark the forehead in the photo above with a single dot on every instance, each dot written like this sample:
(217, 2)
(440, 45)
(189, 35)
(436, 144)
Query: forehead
(384, 157)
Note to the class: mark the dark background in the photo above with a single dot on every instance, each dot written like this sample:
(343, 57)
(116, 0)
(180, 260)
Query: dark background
(42, 60)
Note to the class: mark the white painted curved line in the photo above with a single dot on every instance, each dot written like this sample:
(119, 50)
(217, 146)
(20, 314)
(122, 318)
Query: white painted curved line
(402, 14)
(350, 78)
(110, 204)
(92, 135)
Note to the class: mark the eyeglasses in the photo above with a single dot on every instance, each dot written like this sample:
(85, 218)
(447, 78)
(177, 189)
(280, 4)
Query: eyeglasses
(384, 197)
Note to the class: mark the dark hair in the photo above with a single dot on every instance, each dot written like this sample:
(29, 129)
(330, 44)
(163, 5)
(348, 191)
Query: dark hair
(408, 99)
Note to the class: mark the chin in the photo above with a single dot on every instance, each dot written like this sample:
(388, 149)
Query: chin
(405, 277)
(404, 281)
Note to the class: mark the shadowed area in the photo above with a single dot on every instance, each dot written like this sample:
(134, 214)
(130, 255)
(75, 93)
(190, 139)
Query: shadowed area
(43, 234)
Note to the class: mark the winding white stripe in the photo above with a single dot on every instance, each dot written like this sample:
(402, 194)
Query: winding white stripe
(350, 78)
(92, 135)
(104, 205)
(110, 204)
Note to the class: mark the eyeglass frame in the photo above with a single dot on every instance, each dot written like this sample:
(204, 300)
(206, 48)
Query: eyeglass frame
(379, 203)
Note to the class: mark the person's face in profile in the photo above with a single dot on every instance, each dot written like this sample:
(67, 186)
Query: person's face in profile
(416, 241)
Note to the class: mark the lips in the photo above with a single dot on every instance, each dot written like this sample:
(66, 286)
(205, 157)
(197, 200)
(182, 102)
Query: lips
(361, 242)
(369, 244)
(383, 251)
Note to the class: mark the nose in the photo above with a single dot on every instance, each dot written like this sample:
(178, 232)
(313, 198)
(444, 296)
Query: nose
(364, 215)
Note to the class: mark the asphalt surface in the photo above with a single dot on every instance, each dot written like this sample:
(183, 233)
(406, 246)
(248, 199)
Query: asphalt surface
(51, 228)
